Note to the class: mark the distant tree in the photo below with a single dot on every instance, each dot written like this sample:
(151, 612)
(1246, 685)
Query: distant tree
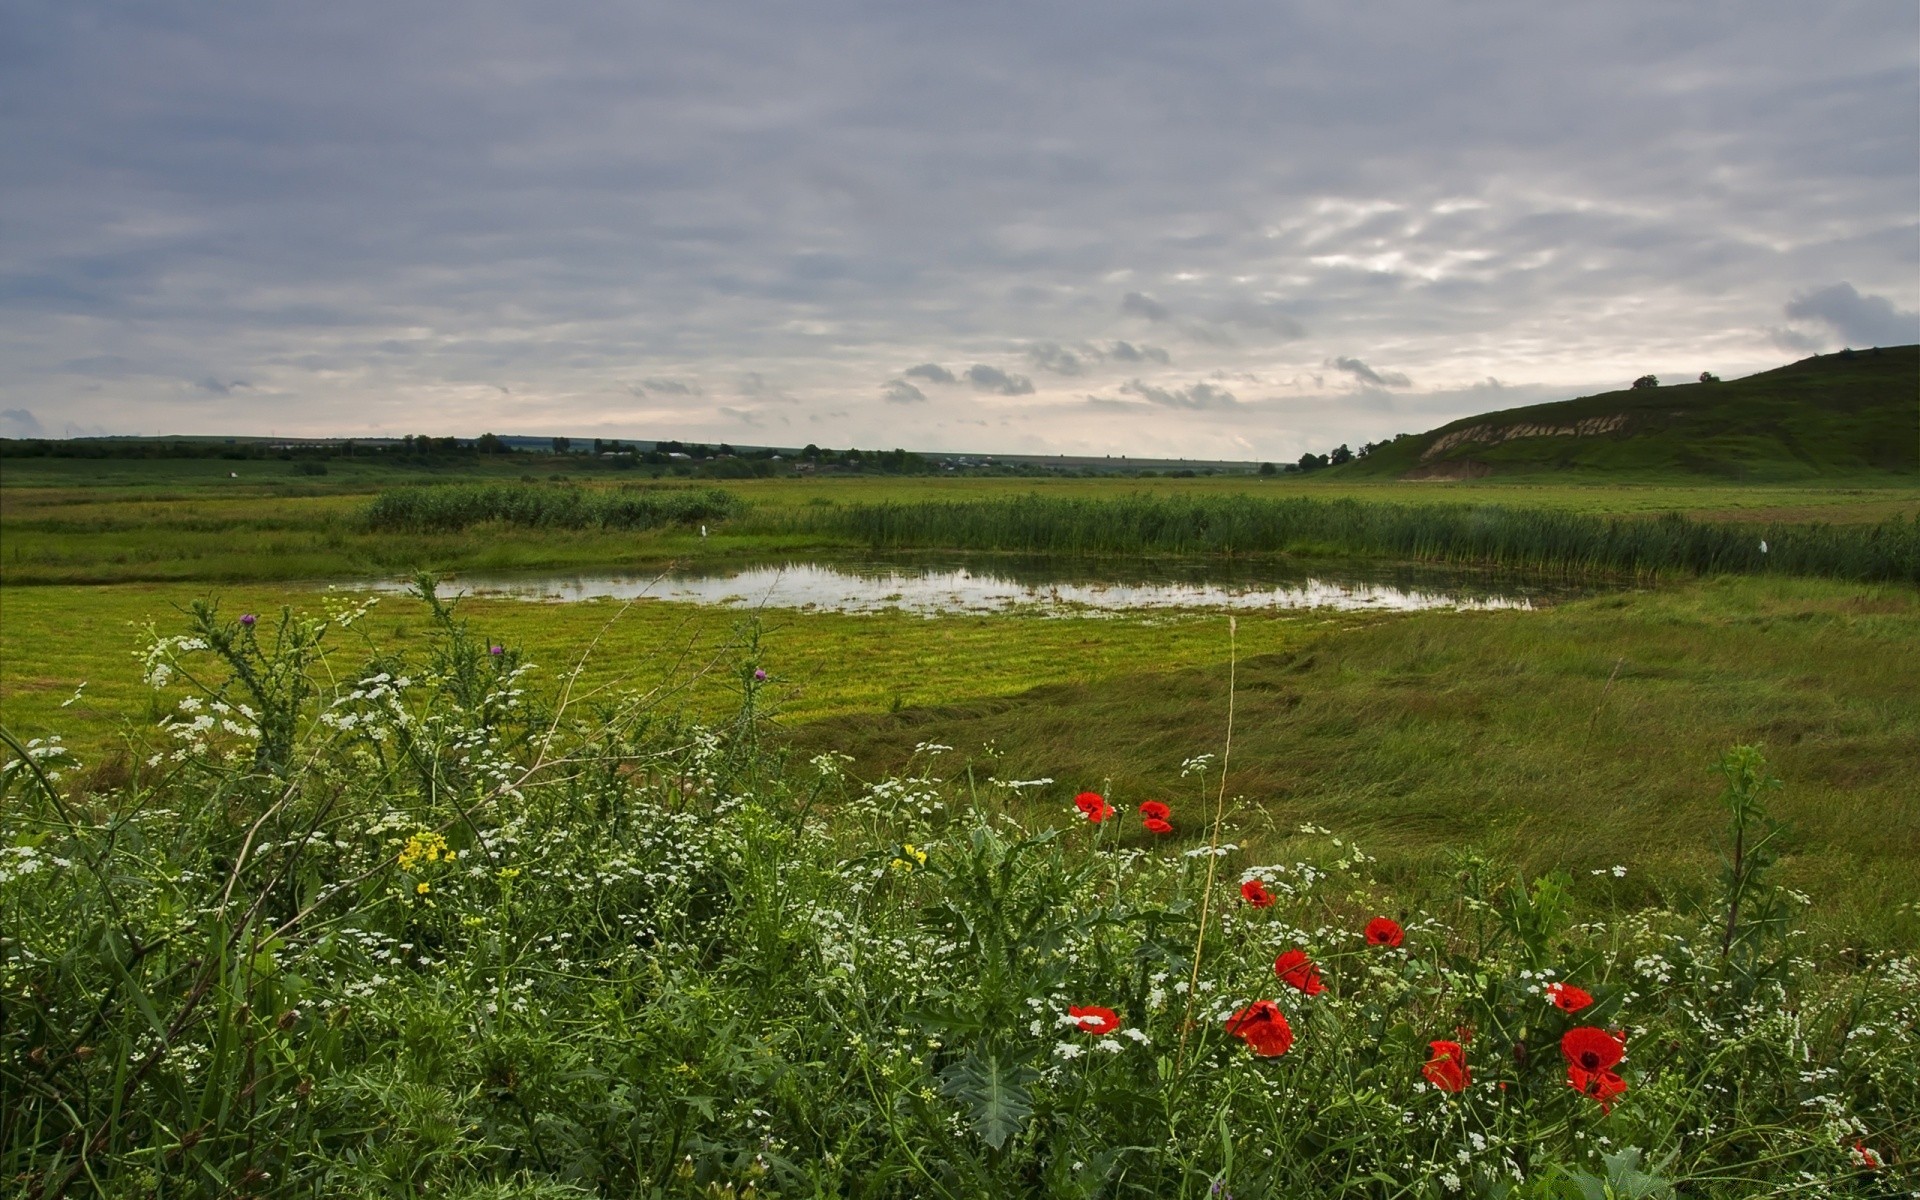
(1709, 377)
(1267, 468)
(1647, 381)
(1341, 455)
(811, 451)
(1312, 462)
(562, 445)
(488, 443)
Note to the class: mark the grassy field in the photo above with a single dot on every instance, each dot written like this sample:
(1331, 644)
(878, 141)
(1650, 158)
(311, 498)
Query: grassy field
(174, 524)
(1569, 736)
(398, 921)
(408, 936)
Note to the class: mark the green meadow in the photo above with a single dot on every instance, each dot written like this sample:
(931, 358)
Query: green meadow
(517, 898)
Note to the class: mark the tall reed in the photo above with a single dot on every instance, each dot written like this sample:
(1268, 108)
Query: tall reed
(462, 506)
(1491, 535)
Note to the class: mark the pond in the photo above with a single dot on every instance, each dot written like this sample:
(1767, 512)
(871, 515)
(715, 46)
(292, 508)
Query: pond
(954, 584)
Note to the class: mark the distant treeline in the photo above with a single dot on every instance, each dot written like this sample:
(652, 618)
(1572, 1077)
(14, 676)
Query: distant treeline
(237, 450)
(1481, 534)
(453, 508)
(720, 461)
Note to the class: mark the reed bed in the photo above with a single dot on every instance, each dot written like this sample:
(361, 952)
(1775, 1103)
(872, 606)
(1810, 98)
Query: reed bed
(1490, 535)
(462, 506)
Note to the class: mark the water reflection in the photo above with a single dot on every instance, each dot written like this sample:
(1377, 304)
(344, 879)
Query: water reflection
(1045, 587)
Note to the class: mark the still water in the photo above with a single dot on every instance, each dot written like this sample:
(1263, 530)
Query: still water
(940, 585)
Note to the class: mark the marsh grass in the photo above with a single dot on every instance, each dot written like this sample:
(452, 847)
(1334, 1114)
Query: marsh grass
(456, 507)
(1488, 535)
(253, 529)
(395, 921)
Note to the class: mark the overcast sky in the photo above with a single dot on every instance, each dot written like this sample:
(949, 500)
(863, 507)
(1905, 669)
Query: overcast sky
(1197, 228)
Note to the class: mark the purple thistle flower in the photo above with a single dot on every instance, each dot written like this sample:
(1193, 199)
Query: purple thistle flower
(759, 675)
(248, 619)
(496, 650)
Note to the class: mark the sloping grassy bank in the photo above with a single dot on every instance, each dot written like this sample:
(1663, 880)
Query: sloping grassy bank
(1485, 534)
(397, 922)
(1569, 738)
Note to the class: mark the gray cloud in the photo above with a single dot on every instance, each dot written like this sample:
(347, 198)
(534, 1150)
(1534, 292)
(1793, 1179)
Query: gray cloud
(899, 391)
(931, 372)
(1194, 396)
(20, 423)
(670, 387)
(993, 379)
(1366, 374)
(222, 387)
(1052, 356)
(372, 212)
(1128, 352)
(1859, 320)
(1136, 304)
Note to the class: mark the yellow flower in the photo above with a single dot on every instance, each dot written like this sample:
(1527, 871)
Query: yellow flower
(423, 847)
(421, 889)
(909, 858)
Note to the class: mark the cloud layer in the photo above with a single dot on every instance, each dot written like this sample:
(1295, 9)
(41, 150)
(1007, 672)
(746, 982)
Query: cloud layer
(737, 222)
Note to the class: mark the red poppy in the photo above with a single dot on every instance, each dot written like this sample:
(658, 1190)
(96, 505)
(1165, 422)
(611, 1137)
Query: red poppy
(1604, 1086)
(1385, 931)
(1592, 1054)
(1592, 1049)
(1153, 810)
(1263, 1027)
(1567, 997)
(1094, 805)
(1255, 893)
(1447, 1069)
(1094, 1020)
(1156, 825)
(1297, 970)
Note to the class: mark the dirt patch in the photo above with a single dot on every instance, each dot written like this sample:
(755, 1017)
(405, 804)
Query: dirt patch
(1446, 472)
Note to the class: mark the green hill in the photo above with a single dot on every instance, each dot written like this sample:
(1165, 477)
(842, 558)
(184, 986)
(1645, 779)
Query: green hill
(1834, 414)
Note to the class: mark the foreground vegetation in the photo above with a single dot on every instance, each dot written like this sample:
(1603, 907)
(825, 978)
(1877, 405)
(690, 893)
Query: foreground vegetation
(371, 922)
